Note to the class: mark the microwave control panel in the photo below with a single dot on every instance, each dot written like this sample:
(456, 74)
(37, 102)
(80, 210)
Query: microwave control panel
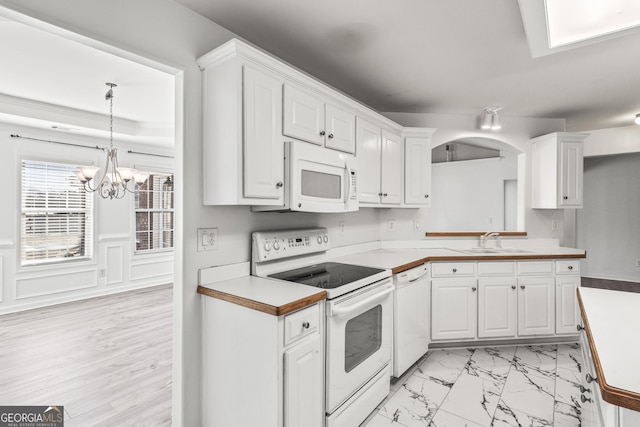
(279, 244)
(354, 185)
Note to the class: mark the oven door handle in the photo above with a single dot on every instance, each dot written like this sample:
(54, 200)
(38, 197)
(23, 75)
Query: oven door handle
(337, 310)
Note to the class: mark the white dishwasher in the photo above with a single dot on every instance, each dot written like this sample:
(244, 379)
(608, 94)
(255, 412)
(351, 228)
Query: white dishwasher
(411, 317)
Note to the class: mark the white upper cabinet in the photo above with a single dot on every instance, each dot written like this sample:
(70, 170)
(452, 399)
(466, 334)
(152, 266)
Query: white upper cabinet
(369, 146)
(557, 170)
(243, 148)
(392, 169)
(380, 156)
(309, 118)
(417, 164)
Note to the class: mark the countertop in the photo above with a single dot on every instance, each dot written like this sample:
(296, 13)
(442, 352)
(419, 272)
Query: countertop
(611, 321)
(278, 297)
(275, 297)
(399, 260)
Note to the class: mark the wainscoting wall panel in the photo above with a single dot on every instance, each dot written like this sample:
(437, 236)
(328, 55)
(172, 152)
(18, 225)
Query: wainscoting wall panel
(114, 264)
(52, 283)
(155, 269)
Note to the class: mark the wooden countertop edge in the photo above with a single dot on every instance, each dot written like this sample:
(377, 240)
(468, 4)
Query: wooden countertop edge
(506, 257)
(259, 306)
(615, 396)
(472, 233)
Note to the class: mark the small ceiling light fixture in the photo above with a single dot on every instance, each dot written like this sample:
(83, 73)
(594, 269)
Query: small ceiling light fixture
(114, 182)
(490, 118)
(637, 120)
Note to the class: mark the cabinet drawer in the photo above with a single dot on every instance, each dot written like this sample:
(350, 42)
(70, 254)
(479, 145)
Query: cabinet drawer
(491, 268)
(568, 267)
(301, 323)
(453, 269)
(537, 268)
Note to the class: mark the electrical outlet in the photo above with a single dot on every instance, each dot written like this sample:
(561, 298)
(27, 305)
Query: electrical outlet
(391, 225)
(341, 228)
(416, 224)
(207, 239)
(102, 272)
(554, 224)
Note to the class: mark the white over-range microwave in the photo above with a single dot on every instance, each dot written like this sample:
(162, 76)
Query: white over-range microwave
(317, 179)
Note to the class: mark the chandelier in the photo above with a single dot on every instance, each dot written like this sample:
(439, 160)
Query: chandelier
(114, 180)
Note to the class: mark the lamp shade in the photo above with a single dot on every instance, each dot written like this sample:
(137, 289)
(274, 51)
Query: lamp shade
(637, 120)
(486, 121)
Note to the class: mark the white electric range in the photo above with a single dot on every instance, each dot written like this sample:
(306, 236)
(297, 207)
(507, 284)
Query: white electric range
(359, 316)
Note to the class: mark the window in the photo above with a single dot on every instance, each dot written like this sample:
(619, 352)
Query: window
(56, 214)
(154, 214)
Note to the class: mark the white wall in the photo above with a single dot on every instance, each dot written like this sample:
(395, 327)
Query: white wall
(516, 131)
(36, 286)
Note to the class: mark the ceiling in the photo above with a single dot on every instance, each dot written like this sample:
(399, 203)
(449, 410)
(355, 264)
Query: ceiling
(445, 57)
(55, 82)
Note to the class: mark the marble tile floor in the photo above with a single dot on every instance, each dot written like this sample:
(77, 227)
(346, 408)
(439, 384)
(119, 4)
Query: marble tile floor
(528, 386)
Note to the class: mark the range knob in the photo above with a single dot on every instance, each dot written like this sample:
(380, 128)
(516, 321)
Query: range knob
(276, 246)
(326, 238)
(319, 239)
(267, 246)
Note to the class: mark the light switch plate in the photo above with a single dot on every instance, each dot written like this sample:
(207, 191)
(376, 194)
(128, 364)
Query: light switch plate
(207, 239)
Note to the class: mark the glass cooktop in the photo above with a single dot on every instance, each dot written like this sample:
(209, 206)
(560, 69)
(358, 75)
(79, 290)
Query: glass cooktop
(327, 275)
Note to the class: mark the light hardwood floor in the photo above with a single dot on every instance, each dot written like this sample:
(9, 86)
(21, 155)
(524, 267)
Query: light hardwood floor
(106, 359)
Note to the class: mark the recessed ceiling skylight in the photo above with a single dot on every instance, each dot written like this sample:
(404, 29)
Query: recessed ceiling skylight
(570, 21)
(558, 25)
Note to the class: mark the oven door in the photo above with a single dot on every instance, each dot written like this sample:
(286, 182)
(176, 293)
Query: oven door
(358, 340)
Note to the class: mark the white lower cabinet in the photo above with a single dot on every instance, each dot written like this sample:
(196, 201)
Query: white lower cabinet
(260, 369)
(496, 307)
(453, 309)
(303, 403)
(536, 306)
(503, 299)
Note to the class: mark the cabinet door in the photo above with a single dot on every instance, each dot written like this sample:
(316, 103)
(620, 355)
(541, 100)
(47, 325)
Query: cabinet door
(263, 154)
(571, 167)
(340, 129)
(417, 174)
(303, 115)
(453, 309)
(496, 307)
(567, 308)
(536, 306)
(392, 171)
(303, 385)
(368, 147)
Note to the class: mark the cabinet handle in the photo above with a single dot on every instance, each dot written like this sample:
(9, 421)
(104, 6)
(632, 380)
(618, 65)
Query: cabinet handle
(321, 133)
(426, 196)
(380, 194)
(513, 287)
(455, 270)
(521, 286)
(384, 194)
(473, 289)
(330, 136)
(279, 184)
(591, 379)
(579, 327)
(583, 389)
(584, 399)
(306, 325)
(566, 198)
(570, 267)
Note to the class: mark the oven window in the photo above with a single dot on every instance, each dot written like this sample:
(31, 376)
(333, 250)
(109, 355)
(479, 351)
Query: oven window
(321, 185)
(363, 337)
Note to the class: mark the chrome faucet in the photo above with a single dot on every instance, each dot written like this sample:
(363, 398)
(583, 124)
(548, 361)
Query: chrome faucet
(486, 236)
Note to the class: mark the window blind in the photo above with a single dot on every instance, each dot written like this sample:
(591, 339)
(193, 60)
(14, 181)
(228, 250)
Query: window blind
(154, 214)
(56, 214)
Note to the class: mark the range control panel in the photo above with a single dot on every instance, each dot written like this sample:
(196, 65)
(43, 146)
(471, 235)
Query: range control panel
(279, 244)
